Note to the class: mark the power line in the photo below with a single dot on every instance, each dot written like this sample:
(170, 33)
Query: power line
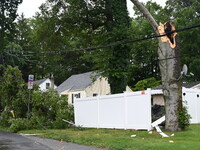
(123, 42)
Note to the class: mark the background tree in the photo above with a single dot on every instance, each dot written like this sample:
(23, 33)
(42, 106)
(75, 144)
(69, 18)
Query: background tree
(106, 22)
(13, 93)
(24, 38)
(8, 9)
(54, 30)
(146, 83)
(78, 24)
(13, 55)
(118, 27)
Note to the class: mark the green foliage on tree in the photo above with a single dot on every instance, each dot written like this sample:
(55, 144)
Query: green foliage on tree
(146, 83)
(118, 27)
(13, 91)
(29, 48)
(8, 9)
(187, 13)
(13, 95)
(184, 118)
(78, 24)
(13, 55)
(104, 22)
(66, 25)
(47, 109)
(55, 31)
(144, 58)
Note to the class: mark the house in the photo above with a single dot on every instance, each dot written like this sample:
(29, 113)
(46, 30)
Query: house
(83, 85)
(157, 94)
(45, 84)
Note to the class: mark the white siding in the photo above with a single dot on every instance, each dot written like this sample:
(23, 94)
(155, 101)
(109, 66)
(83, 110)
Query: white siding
(69, 95)
(158, 100)
(43, 87)
(100, 87)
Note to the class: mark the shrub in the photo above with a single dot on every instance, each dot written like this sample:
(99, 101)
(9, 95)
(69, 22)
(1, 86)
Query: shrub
(184, 118)
(13, 93)
(48, 110)
(5, 116)
(65, 112)
(146, 83)
(18, 124)
(37, 122)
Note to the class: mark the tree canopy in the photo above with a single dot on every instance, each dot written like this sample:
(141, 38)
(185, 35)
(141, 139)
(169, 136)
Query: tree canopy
(8, 14)
(40, 45)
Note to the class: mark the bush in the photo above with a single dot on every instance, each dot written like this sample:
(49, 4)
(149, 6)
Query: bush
(67, 113)
(184, 118)
(5, 117)
(146, 83)
(18, 124)
(37, 122)
(48, 110)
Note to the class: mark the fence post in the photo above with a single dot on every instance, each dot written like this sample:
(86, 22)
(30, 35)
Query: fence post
(149, 96)
(125, 109)
(98, 112)
(75, 111)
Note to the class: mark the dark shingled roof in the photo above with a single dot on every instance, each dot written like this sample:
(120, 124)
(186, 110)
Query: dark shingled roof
(38, 82)
(77, 82)
(192, 84)
(186, 85)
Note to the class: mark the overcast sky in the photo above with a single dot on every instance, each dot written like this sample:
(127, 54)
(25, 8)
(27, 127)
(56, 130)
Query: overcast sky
(29, 7)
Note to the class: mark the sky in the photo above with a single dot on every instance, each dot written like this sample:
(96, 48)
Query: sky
(29, 7)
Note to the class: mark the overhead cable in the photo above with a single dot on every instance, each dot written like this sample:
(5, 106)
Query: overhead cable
(122, 42)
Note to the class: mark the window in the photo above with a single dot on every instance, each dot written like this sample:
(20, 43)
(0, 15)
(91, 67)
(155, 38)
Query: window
(78, 95)
(47, 85)
(95, 94)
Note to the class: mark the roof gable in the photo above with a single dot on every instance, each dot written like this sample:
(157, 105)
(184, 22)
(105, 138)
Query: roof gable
(77, 82)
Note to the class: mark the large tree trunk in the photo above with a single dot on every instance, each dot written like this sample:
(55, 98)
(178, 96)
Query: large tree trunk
(169, 63)
(172, 90)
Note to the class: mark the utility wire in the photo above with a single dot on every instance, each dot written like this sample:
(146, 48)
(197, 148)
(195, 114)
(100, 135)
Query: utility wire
(123, 42)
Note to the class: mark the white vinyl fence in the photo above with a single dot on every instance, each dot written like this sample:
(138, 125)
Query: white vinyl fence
(127, 110)
(191, 99)
(120, 111)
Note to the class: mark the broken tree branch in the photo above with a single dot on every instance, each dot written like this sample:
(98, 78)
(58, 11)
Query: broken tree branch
(146, 14)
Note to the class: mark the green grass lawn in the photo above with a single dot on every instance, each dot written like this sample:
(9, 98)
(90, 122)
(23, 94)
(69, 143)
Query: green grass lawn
(122, 140)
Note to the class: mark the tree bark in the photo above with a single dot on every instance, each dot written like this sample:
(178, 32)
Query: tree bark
(172, 90)
(169, 63)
